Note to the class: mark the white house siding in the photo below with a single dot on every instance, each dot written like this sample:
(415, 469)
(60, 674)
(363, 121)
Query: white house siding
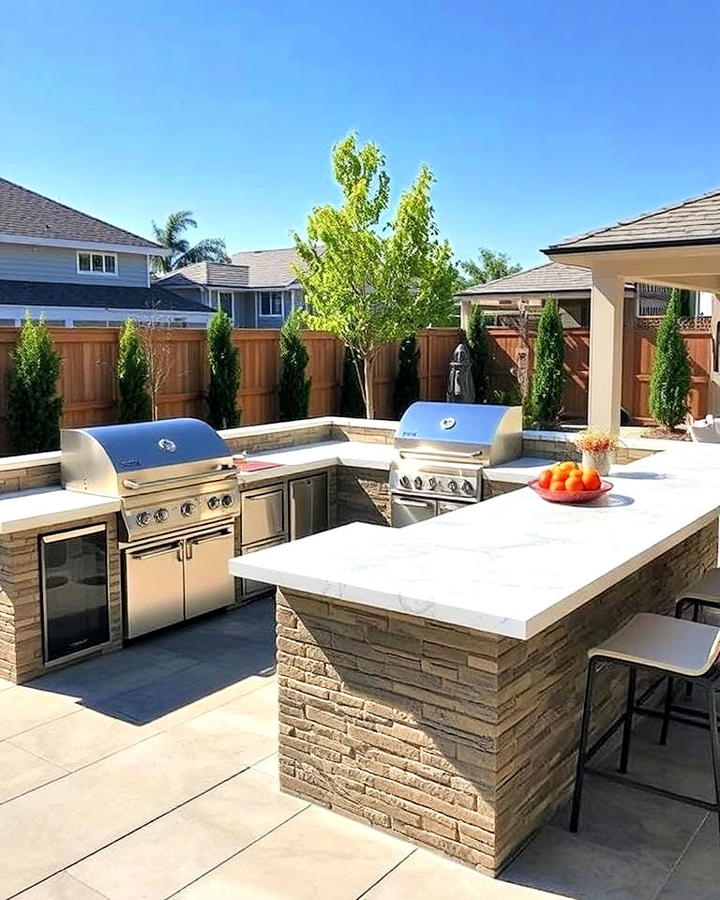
(25, 262)
(80, 316)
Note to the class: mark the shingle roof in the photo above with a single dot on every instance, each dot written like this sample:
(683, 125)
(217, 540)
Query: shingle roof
(268, 268)
(542, 279)
(96, 296)
(694, 220)
(25, 213)
(206, 273)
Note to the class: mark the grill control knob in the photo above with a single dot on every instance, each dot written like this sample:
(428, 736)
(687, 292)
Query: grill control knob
(161, 515)
(418, 482)
(214, 502)
(142, 519)
(452, 486)
(227, 500)
(467, 488)
(404, 481)
(188, 508)
(432, 482)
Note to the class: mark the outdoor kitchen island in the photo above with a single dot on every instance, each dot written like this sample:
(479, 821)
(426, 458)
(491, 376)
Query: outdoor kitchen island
(431, 677)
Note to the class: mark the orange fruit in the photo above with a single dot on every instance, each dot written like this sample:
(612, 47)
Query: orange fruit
(560, 474)
(574, 482)
(545, 478)
(568, 465)
(556, 485)
(590, 479)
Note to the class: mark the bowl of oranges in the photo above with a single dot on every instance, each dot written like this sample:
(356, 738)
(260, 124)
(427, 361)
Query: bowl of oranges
(567, 482)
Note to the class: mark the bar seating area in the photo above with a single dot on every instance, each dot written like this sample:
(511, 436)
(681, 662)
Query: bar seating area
(663, 650)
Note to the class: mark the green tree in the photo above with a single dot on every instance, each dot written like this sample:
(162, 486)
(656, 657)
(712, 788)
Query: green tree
(548, 377)
(478, 341)
(224, 373)
(368, 281)
(34, 407)
(487, 267)
(351, 398)
(671, 374)
(407, 382)
(170, 236)
(133, 375)
(293, 387)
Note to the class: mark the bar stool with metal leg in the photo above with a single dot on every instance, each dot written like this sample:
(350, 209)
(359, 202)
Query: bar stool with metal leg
(669, 648)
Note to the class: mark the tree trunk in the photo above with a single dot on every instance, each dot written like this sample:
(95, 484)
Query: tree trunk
(369, 385)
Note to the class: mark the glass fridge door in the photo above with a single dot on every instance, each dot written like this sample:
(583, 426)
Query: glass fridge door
(74, 573)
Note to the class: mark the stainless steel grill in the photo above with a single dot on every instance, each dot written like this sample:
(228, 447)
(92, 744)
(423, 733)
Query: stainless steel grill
(169, 474)
(440, 451)
(179, 496)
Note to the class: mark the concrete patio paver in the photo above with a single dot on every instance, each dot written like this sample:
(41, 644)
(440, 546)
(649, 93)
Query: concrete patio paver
(317, 855)
(199, 836)
(61, 887)
(21, 771)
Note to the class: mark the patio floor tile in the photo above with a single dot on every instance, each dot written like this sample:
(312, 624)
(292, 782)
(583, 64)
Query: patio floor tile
(81, 738)
(50, 829)
(21, 771)
(61, 887)
(697, 875)
(23, 707)
(425, 876)
(317, 855)
(565, 864)
(197, 837)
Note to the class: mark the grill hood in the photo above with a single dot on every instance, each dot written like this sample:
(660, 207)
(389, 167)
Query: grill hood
(486, 433)
(115, 459)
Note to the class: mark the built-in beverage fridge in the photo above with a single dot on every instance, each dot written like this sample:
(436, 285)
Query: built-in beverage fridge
(74, 591)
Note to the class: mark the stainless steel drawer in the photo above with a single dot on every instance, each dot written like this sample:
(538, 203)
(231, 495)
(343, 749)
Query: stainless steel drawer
(263, 514)
(251, 587)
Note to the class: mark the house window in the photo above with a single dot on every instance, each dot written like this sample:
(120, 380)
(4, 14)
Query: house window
(97, 263)
(225, 302)
(271, 303)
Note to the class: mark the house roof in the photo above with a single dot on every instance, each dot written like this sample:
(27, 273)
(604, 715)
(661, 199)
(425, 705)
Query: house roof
(268, 268)
(548, 278)
(693, 221)
(95, 296)
(207, 274)
(25, 214)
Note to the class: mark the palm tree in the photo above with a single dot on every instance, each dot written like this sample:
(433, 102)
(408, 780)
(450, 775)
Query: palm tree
(170, 235)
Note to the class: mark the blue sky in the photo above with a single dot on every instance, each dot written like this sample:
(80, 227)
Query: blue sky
(540, 119)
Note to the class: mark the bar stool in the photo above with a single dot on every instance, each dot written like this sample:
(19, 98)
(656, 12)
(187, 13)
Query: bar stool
(703, 593)
(671, 647)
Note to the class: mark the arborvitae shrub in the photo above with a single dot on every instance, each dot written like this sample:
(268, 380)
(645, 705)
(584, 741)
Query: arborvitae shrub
(224, 373)
(672, 373)
(548, 376)
(293, 387)
(133, 374)
(407, 383)
(478, 341)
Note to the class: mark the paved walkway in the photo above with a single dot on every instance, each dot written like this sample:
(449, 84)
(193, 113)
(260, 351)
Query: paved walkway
(151, 774)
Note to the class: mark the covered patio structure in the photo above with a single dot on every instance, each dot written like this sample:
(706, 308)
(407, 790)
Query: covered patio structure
(678, 246)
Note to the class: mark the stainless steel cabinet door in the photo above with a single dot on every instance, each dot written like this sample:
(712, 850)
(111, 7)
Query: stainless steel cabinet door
(407, 511)
(263, 514)
(208, 582)
(308, 506)
(251, 587)
(154, 587)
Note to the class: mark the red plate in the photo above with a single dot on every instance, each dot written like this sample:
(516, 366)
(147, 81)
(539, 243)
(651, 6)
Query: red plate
(571, 496)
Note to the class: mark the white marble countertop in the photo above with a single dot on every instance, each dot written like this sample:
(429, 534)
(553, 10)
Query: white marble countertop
(512, 565)
(296, 460)
(46, 507)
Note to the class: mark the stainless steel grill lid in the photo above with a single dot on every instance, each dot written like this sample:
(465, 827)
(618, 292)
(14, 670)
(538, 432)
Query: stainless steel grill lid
(151, 445)
(112, 459)
(461, 429)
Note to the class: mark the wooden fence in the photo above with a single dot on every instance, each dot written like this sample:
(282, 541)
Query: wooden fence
(88, 386)
(89, 390)
(638, 358)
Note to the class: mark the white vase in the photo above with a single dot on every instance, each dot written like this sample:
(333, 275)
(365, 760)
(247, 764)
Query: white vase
(600, 461)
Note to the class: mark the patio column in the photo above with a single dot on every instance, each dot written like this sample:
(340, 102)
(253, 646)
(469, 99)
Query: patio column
(607, 300)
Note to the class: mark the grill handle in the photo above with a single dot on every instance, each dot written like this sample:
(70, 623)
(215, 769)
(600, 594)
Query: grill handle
(215, 475)
(442, 454)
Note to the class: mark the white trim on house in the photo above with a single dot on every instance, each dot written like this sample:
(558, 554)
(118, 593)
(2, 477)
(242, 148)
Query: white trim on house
(92, 270)
(84, 245)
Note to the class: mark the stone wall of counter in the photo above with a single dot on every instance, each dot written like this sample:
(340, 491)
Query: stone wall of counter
(363, 495)
(545, 448)
(459, 740)
(21, 656)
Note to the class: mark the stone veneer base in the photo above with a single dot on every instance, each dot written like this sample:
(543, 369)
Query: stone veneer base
(461, 741)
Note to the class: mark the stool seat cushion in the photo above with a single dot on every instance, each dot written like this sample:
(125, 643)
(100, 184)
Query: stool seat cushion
(705, 588)
(671, 645)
